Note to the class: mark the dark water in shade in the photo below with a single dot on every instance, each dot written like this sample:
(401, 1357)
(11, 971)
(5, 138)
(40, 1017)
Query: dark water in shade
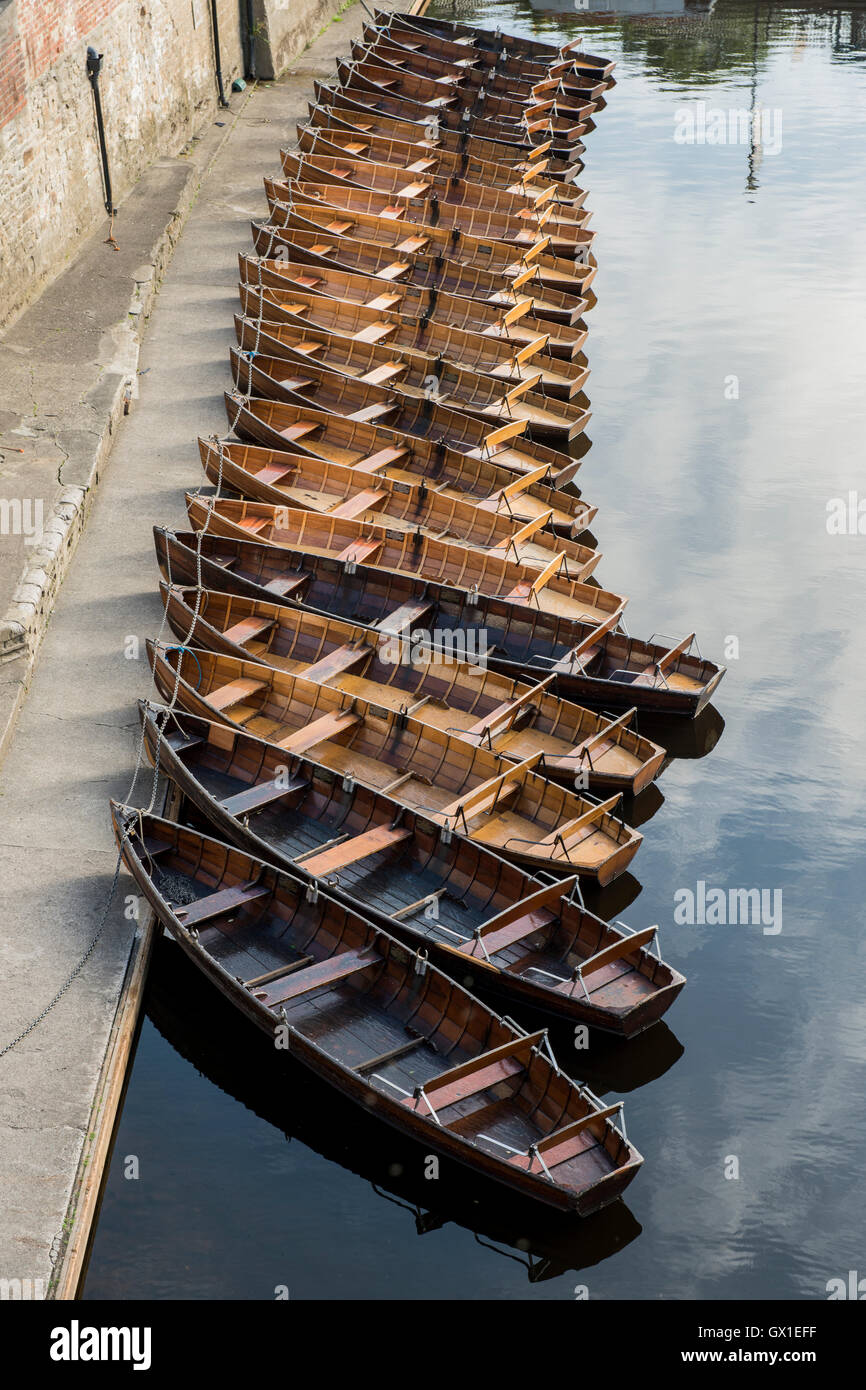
(717, 262)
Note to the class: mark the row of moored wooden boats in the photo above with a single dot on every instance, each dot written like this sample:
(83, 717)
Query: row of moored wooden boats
(398, 707)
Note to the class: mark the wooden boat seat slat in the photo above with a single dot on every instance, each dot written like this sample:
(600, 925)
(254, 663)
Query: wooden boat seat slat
(338, 227)
(247, 629)
(324, 972)
(513, 932)
(218, 904)
(403, 618)
(393, 271)
(383, 301)
(359, 551)
(358, 847)
(340, 659)
(325, 727)
(234, 692)
(381, 459)
(300, 429)
(274, 473)
(252, 523)
(386, 372)
(470, 1078)
(374, 412)
(362, 502)
(565, 1143)
(374, 332)
(413, 243)
(262, 794)
(286, 586)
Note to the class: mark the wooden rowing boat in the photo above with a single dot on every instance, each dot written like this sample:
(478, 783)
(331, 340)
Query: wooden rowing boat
(528, 943)
(512, 719)
(424, 272)
(539, 123)
(582, 92)
(451, 98)
(504, 359)
(476, 254)
(380, 1025)
(551, 588)
(481, 63)
(373, 441)
(591, 666)
(418, 184)
(518, 323)
(304, 382)
(418, 157)
(402, 30)
(509, 808)
(550, 421)
(329, 489)
(568, 240)
(477, 38)
(335, 106)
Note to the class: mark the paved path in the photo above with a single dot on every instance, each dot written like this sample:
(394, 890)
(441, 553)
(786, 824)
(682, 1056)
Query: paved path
(75, 742)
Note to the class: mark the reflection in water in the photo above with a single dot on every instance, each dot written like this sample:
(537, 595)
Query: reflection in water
(205, 1030)
(727, 356)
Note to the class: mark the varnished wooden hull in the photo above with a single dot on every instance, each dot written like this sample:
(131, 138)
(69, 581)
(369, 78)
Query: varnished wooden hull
(276, 346)
(470, 885)
(459, 698)
(391, 989)
(500, 358)
(508, 808)
(519, 638)
(334, 106)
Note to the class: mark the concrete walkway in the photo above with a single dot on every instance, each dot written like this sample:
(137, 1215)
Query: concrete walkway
(75, 742)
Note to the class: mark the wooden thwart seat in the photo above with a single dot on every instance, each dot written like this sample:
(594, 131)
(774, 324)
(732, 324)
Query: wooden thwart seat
(262, 794)
(247, 629)
(339, 660)
(479, 1074)
(324, 972)
(233, 693)
(381, 459)
(362, 502)
(286, 586)
(325, 727)
(403, 618)
(563, 1144)
(356, 848)
(218, 904)
(612, 953)
(520, 920)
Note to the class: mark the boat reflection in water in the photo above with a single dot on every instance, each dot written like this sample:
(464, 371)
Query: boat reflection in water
(202, 1027)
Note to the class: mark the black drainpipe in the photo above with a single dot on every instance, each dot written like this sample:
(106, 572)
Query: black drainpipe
(216, 50)
(94, 66)
(251, 42)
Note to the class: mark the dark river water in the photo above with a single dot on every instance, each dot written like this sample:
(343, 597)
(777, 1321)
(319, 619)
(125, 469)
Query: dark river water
(727, 355)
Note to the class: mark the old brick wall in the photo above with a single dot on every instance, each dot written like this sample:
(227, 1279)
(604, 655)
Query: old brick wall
(157, 84)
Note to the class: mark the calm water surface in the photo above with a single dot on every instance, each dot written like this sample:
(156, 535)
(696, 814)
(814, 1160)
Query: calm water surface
(727, 354)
